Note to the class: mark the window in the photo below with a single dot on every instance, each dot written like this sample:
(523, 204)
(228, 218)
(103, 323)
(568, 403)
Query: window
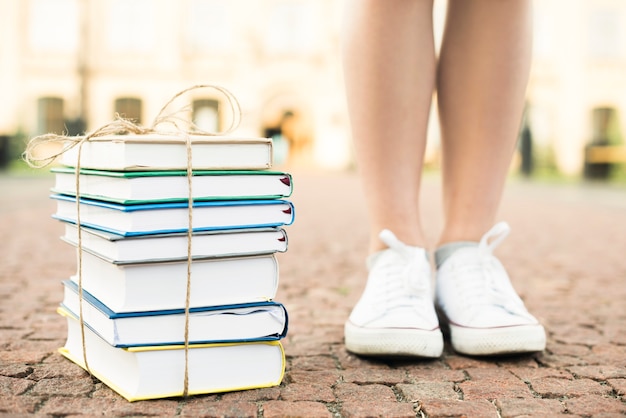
(131, 25)
(209, 26)
(605, 34)
(291, 27)
(129, 108)
(53, 25)
(543, 35)
(50, 117)
(206, 115)
(605, 126)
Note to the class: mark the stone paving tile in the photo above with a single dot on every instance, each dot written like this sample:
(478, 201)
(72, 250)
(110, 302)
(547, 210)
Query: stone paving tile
(555, 388)
(439, 408)
(530, 374)
(200, 409)
(435, 375)
(307, 392)
(351, 392)
(349, 361)
(421, 391)
(14, 386)
(385, 377)
(61, 406)
(598, 372)
(562, 272)
(367, 409)
(594, 405)
(493, 383)
(608, 354)
(619, 385)
(62, 386)
(313, 363)
(512, 407)
(253, 395)
(19, 404)
(276, 409)
(326, 377)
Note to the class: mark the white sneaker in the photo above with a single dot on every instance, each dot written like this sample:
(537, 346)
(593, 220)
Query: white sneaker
(475, 297)
(396, 314)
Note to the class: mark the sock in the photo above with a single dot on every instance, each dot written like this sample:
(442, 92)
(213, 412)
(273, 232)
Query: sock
(372, 257)
(442, 253)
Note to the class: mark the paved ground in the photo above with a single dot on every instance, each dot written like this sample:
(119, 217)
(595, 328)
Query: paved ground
(567, 257)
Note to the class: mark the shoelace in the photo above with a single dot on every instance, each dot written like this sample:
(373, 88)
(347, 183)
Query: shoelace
(402, 292)
(482, 283)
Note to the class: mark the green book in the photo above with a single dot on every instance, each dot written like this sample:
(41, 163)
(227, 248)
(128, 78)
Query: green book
(136, 187)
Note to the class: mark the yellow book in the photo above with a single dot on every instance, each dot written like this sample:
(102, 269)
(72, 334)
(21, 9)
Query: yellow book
(153, 372)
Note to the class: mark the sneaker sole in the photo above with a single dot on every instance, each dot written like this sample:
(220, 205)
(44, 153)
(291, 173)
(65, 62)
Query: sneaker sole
(393, 341)
(496, 341)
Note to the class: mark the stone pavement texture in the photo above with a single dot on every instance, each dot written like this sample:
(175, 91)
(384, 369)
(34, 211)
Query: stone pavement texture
(566, 256)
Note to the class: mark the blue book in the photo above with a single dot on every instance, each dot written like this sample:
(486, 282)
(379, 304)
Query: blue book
(260, 321)
(158, 218)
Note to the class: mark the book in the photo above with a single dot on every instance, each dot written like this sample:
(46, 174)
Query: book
(163, 285)
(169, 152)
(128, 220)
(152, 372)
(260, 321)
(173, 246)
(133, 187)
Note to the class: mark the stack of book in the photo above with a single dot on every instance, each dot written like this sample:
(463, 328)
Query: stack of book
(133, 198)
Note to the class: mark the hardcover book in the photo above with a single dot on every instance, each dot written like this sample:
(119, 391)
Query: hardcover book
(169, 152)
(173, 246)
(152, 372)
(133, 187)
(158, 286)
(128, 220)
(260, 321)
(141, 330)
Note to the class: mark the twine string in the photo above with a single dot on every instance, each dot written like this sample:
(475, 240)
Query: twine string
(189, 260)
(124, 126)
(235, 111)
(79, 262)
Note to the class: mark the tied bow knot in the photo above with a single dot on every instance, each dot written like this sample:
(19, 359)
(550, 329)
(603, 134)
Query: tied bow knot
(412, 256)
(495, 288)
(36, 156)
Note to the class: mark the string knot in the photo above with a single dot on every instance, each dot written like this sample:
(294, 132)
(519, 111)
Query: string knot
(37, 156)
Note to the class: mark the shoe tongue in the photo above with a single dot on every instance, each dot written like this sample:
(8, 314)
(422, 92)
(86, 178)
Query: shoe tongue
(400, 247)
(494, 237)
(391, 240)
(397, 249)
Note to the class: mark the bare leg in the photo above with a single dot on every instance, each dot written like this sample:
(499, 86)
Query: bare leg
(389, 66)
(482, 76)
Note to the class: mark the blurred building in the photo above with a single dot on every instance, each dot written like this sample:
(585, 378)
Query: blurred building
(577, 91)
(67, 65)
(70, 65)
